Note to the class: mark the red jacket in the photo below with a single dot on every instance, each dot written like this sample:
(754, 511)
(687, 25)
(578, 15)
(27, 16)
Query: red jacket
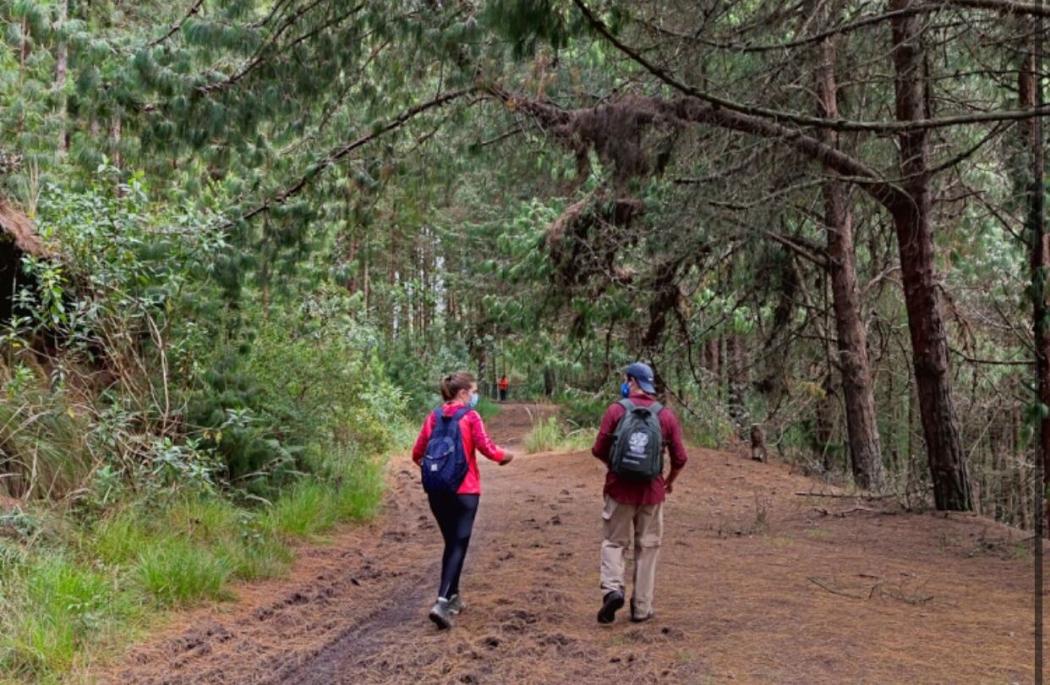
(472, 431)
(632, 491)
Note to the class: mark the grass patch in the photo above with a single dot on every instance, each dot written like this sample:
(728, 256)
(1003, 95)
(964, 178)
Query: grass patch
(120, 538)
(53, 607)
(551, 435)
(258, 556)
(487, 408)
(359, 492)
(82, 594)
(176, 572)
(306, 510)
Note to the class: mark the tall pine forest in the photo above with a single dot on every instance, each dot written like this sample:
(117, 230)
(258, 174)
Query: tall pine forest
(243, 240)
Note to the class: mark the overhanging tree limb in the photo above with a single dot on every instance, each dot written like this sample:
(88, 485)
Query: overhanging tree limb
(883, 127)
(338, 153)
(859, 23)
(179, 24)
(694, 111)
(1004, 6)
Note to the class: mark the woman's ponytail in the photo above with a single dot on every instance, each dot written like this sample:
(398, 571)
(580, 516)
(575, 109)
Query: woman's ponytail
(454, 382)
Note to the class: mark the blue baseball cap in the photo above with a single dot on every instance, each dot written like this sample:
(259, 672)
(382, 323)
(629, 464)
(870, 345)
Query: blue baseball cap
(643, 375)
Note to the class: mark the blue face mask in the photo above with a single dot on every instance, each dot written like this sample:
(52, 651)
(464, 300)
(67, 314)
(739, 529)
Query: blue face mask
(625, 390)
(473, 400)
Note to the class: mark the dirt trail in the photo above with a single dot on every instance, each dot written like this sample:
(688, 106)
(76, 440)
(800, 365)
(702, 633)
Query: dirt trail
(755, 585)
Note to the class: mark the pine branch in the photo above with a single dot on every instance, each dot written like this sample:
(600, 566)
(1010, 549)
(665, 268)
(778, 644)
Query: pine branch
(176, 27)
(1004, 6)
(879, 127)
(257, 59)
(338, 153)
(693, 110)
(856, 24)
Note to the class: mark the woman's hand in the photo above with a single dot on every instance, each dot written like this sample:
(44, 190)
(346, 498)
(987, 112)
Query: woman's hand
(508, 457)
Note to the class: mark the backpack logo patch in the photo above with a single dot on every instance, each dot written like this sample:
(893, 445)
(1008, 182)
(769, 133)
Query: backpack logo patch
(638, 443)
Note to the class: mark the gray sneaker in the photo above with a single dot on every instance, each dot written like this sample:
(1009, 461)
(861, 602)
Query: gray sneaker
(455, 605)
(440, 614)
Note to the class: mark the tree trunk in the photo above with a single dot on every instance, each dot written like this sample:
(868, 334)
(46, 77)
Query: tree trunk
(824, 424)
(738, 373)
(115, 134)
(711, 360)
(862, 430)
(911, 219)
(61, 70)
(1031, 93)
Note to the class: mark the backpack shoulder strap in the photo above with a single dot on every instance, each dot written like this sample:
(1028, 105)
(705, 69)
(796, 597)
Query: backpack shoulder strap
(460, 414)
(627, 404)
(440, 426)
(656, 407)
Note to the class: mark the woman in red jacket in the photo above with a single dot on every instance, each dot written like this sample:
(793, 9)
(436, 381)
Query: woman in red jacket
(455, 512)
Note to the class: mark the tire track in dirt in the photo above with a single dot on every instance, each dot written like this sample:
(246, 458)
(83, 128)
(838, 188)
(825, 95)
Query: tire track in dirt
(357, 646)
(755, 585)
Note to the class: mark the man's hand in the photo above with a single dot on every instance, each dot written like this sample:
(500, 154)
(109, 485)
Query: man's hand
(669, 483)
(508, 457)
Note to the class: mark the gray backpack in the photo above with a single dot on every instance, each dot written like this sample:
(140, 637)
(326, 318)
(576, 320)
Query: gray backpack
(638, 452)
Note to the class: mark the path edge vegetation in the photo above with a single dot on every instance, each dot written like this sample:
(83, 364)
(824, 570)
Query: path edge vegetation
(96, 588)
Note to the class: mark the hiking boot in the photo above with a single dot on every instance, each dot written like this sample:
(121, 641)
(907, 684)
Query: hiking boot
(611, 603)
(455, 604)
(440, 614)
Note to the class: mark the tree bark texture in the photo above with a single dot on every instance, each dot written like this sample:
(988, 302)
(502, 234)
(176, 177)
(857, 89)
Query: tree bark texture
(912, 221)
(862, 430)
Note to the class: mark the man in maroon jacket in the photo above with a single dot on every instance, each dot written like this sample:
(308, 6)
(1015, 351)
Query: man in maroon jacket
(633, 511)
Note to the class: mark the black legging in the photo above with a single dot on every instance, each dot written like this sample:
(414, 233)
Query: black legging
(455, 516)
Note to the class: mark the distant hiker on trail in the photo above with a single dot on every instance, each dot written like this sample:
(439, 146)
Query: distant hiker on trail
(631, 441)
(445, 453)
(504, 386)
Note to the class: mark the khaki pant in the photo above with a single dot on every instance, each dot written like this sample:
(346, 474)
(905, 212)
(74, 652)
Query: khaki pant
(625, 525)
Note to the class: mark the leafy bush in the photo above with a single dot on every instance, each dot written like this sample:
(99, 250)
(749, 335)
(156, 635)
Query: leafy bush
(583, 409)
(300, 379)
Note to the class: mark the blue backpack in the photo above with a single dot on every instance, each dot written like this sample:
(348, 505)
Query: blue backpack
(444, 464)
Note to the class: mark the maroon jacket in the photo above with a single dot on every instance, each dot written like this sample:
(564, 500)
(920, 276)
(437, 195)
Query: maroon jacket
(636, 492)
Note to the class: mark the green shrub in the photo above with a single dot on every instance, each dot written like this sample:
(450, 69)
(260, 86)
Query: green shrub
(583, 409)
(300, 380)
